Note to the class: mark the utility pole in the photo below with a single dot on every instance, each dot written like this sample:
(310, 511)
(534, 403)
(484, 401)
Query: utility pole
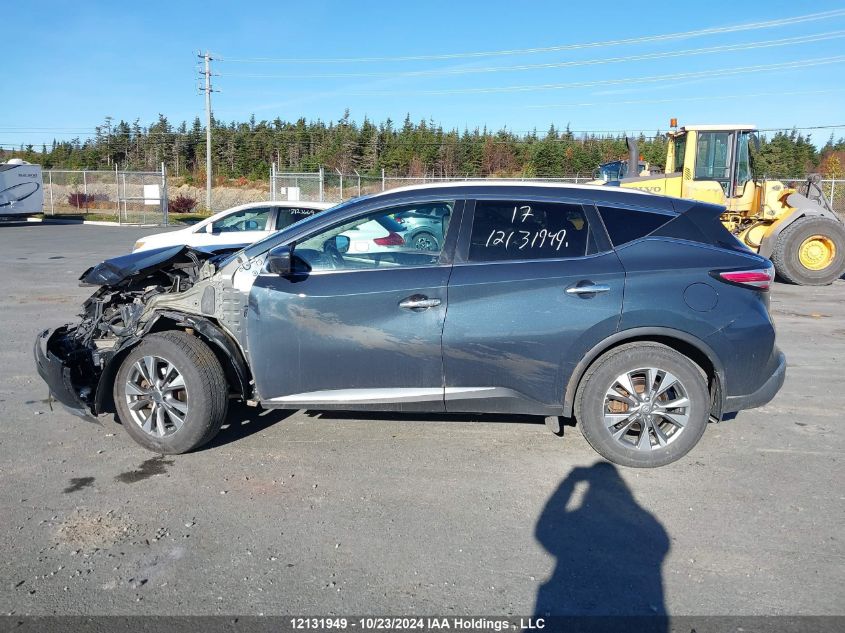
(208, 90)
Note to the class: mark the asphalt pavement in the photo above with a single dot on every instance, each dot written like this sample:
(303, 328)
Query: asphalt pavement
(321, 513)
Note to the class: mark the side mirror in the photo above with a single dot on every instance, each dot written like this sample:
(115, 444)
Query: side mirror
(341, 243)
(280, 261)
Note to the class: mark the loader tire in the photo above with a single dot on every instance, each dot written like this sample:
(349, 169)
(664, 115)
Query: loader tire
(811, 251)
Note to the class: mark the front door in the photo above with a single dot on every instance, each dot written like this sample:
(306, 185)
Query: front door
(361, 330)
(538, 286)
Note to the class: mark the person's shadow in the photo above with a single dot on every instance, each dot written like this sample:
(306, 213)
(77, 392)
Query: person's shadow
(609, 551)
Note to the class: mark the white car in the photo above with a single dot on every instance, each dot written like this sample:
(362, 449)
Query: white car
(243, 224)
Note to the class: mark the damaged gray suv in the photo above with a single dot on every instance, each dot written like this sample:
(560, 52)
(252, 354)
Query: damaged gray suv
(638, 315)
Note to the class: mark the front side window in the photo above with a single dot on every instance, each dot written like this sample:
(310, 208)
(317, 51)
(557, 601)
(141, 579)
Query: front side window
(513, 229)
(743, 163)
(246, 220)
(712, 156)
(680, 148)
(375, 241)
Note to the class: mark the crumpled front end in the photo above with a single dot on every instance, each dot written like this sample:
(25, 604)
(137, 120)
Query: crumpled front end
(69, 371)
(73, 358)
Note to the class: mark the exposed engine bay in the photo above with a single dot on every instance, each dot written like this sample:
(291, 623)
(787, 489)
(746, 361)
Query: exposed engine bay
(136, 290)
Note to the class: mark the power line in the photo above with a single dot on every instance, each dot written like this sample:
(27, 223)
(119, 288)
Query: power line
(810, 17)
(327, 130)
(788, 41)
(676, 99)
(804, 63)
(519, 138)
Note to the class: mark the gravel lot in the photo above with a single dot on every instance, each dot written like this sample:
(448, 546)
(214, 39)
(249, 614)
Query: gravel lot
(317, 513)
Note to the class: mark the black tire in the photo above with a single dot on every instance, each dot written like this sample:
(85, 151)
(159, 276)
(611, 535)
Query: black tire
(785, 256)
(205, 385)
(591, 405)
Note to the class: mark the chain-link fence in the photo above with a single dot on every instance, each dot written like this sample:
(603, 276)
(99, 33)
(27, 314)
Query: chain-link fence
(127, 197)
(296, 185)
(333, 186)
(141, 197)
(834, 191)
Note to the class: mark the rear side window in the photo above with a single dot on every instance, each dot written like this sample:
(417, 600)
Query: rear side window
(627, 225)
(291, 215)
(514, 229)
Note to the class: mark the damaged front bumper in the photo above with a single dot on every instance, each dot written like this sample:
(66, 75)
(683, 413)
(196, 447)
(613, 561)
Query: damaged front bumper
(56, 368)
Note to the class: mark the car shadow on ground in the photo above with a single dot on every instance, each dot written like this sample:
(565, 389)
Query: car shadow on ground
(608, 553)
(242, 421)
(394, 416)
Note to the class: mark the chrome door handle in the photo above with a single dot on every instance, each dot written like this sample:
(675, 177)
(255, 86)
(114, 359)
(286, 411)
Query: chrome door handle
(587, 290)
(419, 303)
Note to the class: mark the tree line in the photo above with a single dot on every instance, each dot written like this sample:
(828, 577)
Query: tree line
(246, 150)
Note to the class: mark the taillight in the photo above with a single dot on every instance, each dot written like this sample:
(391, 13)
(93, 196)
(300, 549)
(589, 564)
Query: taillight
(758, 279)
(391, 239)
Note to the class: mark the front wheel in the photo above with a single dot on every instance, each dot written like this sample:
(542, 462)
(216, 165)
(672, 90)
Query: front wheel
(171, 393)
(643, 405)
(811, 251)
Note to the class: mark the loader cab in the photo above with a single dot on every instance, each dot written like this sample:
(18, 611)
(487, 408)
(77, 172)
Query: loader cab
(714, 163)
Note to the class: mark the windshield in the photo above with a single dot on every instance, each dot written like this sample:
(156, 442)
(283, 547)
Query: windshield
(611, 172)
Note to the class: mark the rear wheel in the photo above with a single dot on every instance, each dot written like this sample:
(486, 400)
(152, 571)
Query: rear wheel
(170, 393)
(425, 241)
(643, 405)
(811, 251)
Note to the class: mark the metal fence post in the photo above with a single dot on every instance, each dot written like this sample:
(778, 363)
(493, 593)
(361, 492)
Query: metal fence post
(273, 181)
(117, 192)
(359, 181)
(340, 173)
(165, 204)
(382, 178)
(52, 207)
(321, 184)
(832, 189)
(84, 188)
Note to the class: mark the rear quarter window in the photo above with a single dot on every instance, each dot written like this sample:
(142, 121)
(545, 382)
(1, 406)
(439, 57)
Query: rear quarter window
(627, 225)
(291, 215)
(702, 224)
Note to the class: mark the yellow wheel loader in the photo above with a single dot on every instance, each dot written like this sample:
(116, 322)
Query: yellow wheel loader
(795, 226)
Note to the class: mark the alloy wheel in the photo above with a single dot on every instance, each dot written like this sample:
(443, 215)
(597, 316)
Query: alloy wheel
(425, 242)
(156, 396)
(646, 409)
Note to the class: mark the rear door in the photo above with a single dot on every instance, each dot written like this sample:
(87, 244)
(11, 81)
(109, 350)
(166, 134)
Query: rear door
(534, 285)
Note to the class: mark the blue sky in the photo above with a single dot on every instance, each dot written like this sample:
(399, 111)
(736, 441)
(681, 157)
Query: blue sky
(67, 65)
